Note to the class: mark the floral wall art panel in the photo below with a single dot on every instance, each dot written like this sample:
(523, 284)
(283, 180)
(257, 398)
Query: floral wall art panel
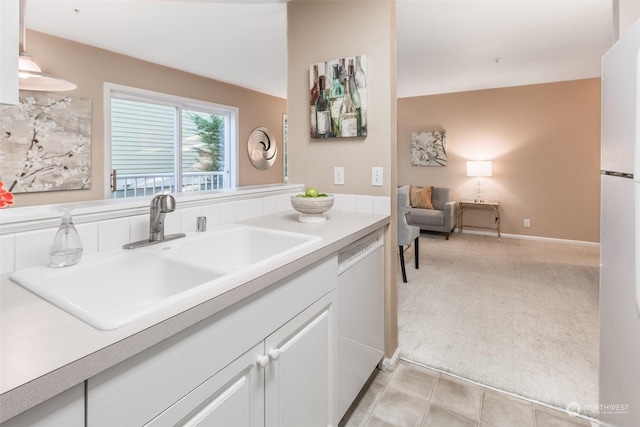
(429, 148)
(45, 143)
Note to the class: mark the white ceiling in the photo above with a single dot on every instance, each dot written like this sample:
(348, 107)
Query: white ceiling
(456, 45)
(443, 45)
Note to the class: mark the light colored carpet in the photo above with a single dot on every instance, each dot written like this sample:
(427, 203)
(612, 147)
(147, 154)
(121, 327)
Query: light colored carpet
(517, 315)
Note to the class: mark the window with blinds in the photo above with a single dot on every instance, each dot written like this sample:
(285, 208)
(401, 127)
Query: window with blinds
(160, 144)
(143, 137)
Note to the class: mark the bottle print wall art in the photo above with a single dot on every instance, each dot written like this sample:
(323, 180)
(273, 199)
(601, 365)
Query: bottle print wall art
(342, 102)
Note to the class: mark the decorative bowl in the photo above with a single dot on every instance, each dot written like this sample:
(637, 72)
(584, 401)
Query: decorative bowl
(312, 209)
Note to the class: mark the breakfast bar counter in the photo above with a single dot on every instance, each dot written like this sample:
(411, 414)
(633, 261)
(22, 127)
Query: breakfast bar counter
(45, 350)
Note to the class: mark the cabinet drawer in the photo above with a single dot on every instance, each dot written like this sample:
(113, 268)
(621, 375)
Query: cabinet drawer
(135, 391)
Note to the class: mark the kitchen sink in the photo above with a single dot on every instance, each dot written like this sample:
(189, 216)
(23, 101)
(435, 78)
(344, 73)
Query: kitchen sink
(238, 247)
(111, 289)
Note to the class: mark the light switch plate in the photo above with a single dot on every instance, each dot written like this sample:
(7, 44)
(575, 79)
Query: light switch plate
(376, 176)
(338, 175)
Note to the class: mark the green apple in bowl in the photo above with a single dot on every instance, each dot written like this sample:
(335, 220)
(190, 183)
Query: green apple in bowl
(312, 205)
(311, 192)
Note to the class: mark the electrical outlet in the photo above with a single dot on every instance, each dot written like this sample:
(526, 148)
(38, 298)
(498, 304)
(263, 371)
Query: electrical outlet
(376, 176)
(527, 222)
(338, 175)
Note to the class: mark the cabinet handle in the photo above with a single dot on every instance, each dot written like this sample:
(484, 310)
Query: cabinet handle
(274, 353)
(263, 361)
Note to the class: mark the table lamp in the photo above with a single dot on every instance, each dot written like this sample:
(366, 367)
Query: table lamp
(479, 168)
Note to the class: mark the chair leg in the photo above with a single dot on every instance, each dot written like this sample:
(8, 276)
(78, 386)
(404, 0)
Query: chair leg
(446, 236)
(417, 256)
(404, 272)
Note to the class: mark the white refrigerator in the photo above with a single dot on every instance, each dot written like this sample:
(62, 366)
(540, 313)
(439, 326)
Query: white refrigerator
(619, 403)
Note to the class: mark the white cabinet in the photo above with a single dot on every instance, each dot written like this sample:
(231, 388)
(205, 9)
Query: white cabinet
(9, 41)
(232, 397)
(279, 344)
(66, 409)
(300, 379)
(287, 379)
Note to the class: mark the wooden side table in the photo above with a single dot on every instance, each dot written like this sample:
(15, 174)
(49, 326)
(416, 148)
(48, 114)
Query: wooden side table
(472, 204)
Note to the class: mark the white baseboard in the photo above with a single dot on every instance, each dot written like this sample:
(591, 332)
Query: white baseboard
(389, 364)
(526, 237)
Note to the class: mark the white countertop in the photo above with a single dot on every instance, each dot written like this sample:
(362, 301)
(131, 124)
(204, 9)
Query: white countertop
(44, 350)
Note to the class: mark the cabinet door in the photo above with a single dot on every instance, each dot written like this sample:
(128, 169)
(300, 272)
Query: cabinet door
(300, 379)
(232, 397)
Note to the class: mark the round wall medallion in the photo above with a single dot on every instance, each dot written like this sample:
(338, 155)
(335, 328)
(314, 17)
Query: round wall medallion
(262, 148)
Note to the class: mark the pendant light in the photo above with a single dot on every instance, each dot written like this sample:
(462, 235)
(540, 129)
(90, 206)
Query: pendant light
(30, 75)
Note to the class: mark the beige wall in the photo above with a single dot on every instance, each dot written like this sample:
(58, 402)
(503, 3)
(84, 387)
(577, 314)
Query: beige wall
(90, 67)
(318, 40)
(356, 28)
(544, 141)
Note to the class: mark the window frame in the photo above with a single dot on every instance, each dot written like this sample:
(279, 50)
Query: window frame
(181, 103)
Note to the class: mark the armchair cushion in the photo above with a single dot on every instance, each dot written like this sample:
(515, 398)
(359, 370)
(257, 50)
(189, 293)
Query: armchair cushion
(429, 217)
(421, 197)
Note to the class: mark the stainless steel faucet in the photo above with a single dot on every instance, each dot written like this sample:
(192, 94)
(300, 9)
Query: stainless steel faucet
(161, 205)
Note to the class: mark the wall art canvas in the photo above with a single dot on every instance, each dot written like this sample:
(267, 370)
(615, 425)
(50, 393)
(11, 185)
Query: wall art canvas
(45, 143)
(338, 98)
(429, 148)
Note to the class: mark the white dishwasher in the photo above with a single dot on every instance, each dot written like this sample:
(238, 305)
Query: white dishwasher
(360, 315)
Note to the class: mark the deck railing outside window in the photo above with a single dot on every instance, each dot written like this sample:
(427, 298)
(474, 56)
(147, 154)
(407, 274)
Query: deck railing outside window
(136, 185)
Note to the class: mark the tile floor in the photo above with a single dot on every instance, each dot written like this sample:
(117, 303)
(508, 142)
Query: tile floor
(413, 395)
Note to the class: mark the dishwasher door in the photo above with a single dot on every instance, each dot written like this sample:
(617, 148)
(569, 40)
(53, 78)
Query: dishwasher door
(360, 316)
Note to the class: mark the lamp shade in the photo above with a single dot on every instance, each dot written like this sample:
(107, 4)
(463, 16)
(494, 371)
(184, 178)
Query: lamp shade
(32, 78)
(479, 168)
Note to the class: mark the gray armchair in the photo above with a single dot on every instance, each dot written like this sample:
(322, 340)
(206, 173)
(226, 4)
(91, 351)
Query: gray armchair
(406, 234)
(444, 215)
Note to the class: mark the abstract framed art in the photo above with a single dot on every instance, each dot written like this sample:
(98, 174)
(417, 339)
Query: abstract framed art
(429, 148)
(338, 98)
(45, 143)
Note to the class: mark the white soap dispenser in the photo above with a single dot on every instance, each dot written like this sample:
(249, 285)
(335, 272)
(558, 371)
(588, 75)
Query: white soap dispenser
(66, 249)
